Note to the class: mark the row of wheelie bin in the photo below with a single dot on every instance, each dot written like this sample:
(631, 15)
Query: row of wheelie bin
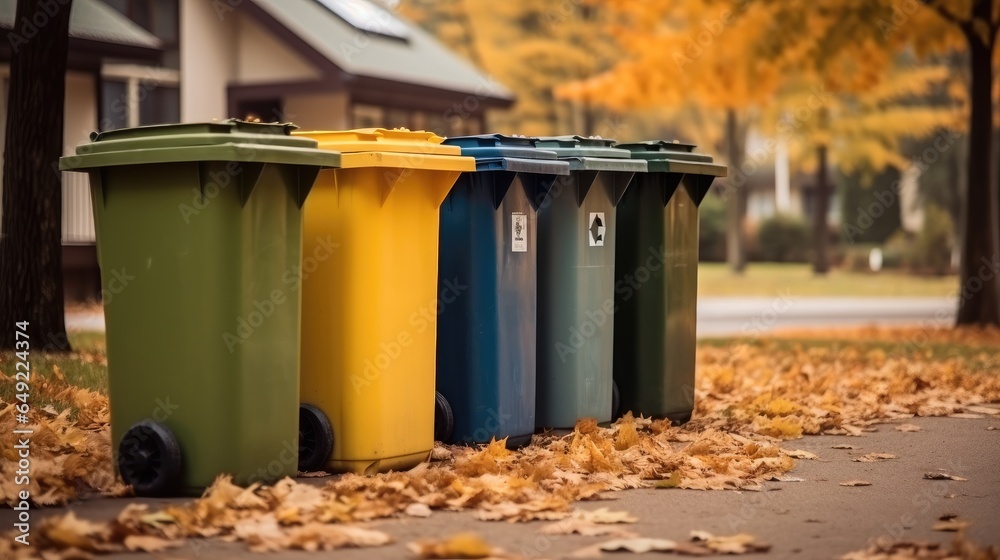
(338, 300)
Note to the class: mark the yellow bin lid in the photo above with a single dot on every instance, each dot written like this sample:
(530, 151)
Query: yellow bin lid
(397, 147)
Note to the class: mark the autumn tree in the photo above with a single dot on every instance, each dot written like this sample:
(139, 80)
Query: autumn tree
(532, 48)
(866, 36)
(740, 55)
(30, 225)
(682, 53)
(864, 131)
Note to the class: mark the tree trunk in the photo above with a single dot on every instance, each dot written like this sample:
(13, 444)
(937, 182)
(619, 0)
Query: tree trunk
(821, 234)
(31, 287)
(979, 296)
(735, 196)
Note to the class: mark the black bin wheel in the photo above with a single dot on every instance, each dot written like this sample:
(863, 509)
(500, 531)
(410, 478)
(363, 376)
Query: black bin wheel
(616, 401)
(149, 459)
(444, 419)
(315, 438)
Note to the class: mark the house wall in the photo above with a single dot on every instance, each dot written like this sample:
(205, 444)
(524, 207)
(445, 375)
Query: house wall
(208, 59)
(263, 58)
(318, 112)
(80, 121)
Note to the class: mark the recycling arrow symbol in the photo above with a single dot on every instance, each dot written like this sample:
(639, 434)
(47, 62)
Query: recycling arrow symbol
(597, 229)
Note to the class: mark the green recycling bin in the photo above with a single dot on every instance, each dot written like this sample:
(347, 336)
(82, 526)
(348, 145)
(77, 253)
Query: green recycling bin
(576, 264)
(656, 279)
(199, 239)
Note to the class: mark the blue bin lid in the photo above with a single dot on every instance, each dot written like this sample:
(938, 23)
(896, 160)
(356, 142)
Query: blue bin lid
(500, 152)
(591, 153)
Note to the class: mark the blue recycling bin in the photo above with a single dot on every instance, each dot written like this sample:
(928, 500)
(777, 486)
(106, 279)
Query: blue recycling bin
(487, 280)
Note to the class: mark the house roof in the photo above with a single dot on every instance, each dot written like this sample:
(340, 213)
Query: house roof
(401, 52)
(94, 21)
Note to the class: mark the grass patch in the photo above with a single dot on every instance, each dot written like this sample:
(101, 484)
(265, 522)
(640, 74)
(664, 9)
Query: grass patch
(767, 279)
(85, 367)
(977, 357)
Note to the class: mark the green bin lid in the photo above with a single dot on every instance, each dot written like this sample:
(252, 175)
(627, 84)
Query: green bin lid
(226, 140)
(673, 157)
(591, 153)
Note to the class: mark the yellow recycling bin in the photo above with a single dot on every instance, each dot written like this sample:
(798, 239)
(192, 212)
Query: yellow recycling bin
(370, 301)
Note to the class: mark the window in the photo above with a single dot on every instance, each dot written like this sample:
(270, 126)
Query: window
(114, 105)
(372, 116)
(160, 105)
(128, 102)
(367, 116)
(395, 118)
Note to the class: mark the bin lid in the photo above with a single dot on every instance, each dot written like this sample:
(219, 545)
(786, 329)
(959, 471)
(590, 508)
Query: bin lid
(397, 147)
(591, 153)
(225, 140)
(673, 157)
(499, 152)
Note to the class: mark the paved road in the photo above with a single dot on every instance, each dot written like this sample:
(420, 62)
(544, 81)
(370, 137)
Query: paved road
(750, 316)
(814, 518)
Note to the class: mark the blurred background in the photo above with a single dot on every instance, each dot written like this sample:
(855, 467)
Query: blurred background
(846, 125)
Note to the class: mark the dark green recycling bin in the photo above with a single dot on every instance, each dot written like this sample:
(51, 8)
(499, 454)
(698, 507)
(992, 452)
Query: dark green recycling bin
(576, 262)
(486, 335)
(656, 272)
(199, 240)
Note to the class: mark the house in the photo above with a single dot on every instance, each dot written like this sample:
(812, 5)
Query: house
(323, 64)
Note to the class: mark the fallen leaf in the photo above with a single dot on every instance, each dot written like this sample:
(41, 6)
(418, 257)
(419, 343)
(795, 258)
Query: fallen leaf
(842, 446)
(943, 476)
(417, 509)
(314, 474)
(800, 454)
(952, 525)
(672, 482)
(983, 410)
(908, 428)
(462, 545)
(888, 548)
(784, 478)
(874, 458)
(145, 543)
(639, 545)
(856, 483)
(585, 528)
(604, 515)
(741, 543)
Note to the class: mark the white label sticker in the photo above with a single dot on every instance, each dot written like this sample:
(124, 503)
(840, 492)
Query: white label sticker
(519, 232)
(596, 229)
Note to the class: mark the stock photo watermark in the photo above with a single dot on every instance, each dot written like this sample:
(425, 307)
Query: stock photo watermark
(421, 320)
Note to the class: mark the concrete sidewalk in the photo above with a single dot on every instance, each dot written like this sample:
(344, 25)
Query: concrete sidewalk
(815, 518)
(752, 316)
(739, 316)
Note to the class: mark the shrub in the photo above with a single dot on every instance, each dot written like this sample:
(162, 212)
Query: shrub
(783, 238)
(856, 257)
(934, 242)
(712, 233)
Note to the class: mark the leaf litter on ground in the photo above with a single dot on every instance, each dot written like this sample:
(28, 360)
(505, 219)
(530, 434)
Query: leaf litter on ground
(749, 397)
